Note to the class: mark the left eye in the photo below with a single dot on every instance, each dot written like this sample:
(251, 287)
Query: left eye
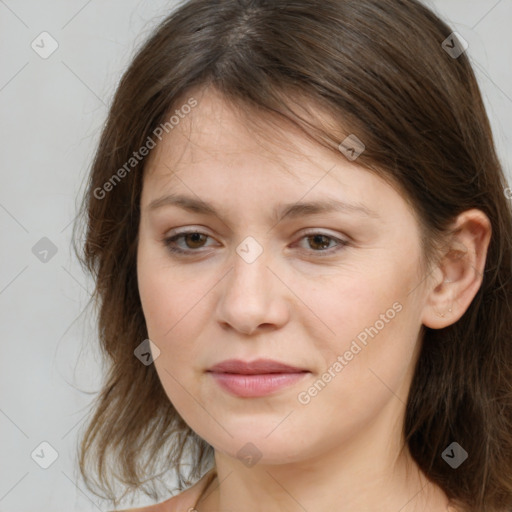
(322, 240)
(195, 239)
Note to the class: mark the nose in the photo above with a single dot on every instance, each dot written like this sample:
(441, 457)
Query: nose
(253, 297)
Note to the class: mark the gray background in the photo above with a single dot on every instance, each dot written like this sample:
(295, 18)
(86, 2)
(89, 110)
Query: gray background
(51, 113)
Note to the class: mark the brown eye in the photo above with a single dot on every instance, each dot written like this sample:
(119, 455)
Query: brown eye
(193, 240)
(319, 243)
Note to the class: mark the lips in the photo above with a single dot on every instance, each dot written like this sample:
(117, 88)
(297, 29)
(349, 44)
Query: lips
(257, 367)
(252, 379)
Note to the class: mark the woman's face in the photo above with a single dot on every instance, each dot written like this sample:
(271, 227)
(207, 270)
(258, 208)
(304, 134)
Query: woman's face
(335, 292)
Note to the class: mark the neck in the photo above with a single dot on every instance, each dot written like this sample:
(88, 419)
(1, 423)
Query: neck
(357, 477)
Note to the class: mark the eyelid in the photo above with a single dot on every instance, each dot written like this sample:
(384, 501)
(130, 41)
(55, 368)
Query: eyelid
(307, 231)
(176, 233)
(323, 231)
(342, 242)
(186, 229)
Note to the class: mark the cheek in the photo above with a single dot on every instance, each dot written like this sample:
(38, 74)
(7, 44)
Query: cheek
(173, 311)
(163, 296)
(168, 316)
(373, 326)
(341, 308)
(157, 302)
(170, 324)
(361, 379)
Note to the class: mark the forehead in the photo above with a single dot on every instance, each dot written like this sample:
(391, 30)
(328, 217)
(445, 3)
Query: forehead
(221, 134)
(223, 152)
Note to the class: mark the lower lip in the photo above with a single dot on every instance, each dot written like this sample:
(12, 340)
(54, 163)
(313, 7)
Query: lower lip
(256, 385)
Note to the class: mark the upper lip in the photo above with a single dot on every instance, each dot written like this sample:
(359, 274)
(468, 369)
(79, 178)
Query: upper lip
(258, 366)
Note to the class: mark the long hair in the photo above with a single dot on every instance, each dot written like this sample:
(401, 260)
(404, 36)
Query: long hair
(383, 70)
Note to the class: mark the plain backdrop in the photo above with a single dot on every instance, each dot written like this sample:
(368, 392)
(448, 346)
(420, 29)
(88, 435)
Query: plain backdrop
(52, 110)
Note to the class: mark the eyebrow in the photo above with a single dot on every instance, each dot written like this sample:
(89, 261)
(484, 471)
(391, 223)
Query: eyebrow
(290, 210)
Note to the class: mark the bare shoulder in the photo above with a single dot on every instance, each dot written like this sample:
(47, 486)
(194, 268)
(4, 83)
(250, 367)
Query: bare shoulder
(181, 502)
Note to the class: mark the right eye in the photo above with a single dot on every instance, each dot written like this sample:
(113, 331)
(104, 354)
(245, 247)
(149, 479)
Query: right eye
(194, 240)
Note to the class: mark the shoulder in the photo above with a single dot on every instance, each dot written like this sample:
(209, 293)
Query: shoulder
(181, 502)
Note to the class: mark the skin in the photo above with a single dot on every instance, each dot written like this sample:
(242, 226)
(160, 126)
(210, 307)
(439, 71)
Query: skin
(296, 306)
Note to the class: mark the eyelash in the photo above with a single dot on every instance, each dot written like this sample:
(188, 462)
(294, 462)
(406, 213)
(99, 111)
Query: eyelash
(168, 241)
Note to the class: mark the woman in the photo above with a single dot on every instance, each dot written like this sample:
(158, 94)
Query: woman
(297, 224)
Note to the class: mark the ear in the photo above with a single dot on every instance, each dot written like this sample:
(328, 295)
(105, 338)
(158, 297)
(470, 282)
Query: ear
(459, 273)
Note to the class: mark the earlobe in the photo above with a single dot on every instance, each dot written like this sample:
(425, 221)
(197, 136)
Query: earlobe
(462, 269)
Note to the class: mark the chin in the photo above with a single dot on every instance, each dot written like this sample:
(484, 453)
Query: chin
(259, 451)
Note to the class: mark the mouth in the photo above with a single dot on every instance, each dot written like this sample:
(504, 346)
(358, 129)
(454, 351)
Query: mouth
(259, 366)
(257, 378)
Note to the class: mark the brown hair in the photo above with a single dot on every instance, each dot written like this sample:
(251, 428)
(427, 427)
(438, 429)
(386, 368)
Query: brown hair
(379, 68)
